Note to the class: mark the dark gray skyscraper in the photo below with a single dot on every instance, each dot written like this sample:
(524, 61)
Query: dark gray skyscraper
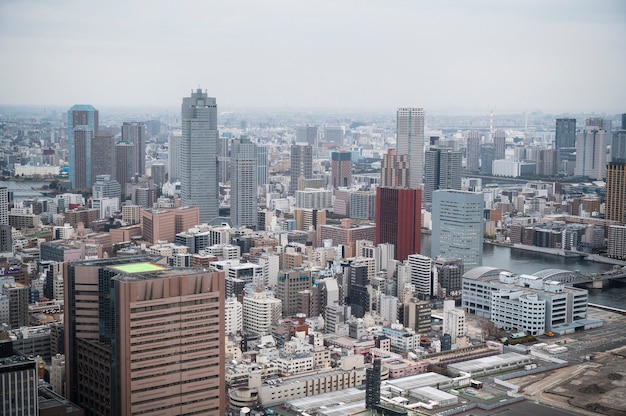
(243, 180)
(499, 144)
(565, 138)
(135, 133)
(301, 164)
(198, 155)
(618, 143)
(82, 126)
(442, 170)
(473, 151)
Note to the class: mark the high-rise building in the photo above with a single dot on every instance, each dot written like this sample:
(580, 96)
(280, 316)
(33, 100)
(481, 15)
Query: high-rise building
(473, 151)
(103, 147)
(499, 144)
(124, 160)
(158, 172)
(198, 155)
(301, 165)
(4, 205)
(486, 158)
(262, 165)
(153, 341)
(616, 192)
(82, 126)
(618, 143)
(565, 136)
(18, 378)
(223, 159)
(290, 283)
(591, 153)
(410, 141)
(458, 226)
(399, 219)
(243, 177)
(547, 162)
(341, 165)
(442, 170)
(135, 133)
(421, 268)
(394, 169)
(173, 156)
(260, 313)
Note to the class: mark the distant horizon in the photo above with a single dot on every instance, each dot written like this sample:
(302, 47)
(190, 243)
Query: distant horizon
(451, 111)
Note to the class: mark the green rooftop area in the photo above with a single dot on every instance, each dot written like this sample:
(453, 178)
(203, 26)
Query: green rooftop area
(138, 267)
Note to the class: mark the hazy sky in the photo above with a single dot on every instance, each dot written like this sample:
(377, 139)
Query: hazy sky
(553, 55)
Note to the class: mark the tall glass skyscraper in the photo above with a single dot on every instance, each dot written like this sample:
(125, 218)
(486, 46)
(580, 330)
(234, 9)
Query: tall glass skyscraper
(301, 164)
(410, 142)
(458, 226)
(198, 155)
(82, 126)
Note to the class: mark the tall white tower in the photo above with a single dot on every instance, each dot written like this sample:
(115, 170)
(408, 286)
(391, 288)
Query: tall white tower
(410, 141)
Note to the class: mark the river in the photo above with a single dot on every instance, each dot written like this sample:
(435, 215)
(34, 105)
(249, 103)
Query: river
(520, 261)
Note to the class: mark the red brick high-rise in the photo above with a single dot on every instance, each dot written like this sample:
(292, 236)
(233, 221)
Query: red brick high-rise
(399, 219)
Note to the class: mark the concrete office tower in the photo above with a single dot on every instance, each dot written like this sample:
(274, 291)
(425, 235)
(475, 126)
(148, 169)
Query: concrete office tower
(341, 165)
(487, 152)
(290, 283)
(19, 381)
(442, 170)
(262, 165)
(103, 149)
(301, 165)
(243, 179)
(158, 172)
(565, 136)
(458, 226)
(547, 162)
(473, 151)
(453, 320)
(4, 206)
(173, 155)
(156, 341)
(6, 236)
(394, 170)
(618, 143)
(591, 153)
(124, 159)
(198, 155)
(82, 126)
(105, 187)
(135, 133)
(420, 268)
(499, 144)
(334, 134)
(223, 159)
(615, 208)
(410, 141)
(260, 313)
(399, 219)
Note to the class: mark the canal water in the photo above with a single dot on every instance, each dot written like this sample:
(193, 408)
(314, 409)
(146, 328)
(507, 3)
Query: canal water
(520, 261)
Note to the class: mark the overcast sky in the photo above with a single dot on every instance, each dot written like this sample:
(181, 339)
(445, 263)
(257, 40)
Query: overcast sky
(513, 55)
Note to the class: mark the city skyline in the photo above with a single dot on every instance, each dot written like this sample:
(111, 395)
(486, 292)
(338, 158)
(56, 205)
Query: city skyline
(478, 55)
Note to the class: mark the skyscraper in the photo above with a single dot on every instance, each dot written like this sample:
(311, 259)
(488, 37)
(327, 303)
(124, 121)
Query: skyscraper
(394, 169)
(442, 170)
(198, 155)
(565, 135)
(591, 153)
(499, 144)
(141, 337)
(262, 161)
(124, 162)
(243, 179)
(102, 146)
(410, 141)
(486, 158)
(301, 164)
(458, 226)
(341, 165)
(135, 133)
(616, 192)
(618, 143)
(173, 156)
(399, 219)
(82, 126)
(473, 151)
